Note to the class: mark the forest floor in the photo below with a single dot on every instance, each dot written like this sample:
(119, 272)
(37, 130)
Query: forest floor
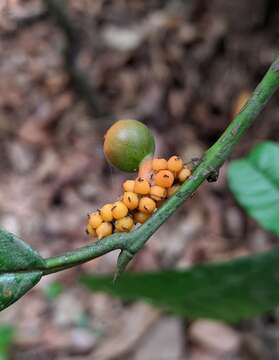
(182, 67)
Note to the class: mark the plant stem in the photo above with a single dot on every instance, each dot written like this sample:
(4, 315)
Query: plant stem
(86, 253)
(215, 156)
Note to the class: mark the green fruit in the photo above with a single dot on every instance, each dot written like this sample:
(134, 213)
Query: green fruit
(127, 143)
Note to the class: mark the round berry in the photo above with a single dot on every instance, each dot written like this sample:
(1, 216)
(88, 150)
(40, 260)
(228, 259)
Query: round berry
(125, 224)
(129, 185)
(159, 164)
(164, 178)
(175, 164)
(131, 200)
(173, 190)
(127, 143)
(142, 186)
(90, 231)
(184, 174)
(95, 219)
(147, 205)
(103, 230)
(119, 210)
(141, 217)
(158, 192)
(106, 212)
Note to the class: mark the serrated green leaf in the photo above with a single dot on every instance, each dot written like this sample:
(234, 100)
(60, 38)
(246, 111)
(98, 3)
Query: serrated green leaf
(254, 181)
(20, 268)
(229, 291)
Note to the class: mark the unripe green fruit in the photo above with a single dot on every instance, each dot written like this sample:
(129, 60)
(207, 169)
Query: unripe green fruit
(127, 143)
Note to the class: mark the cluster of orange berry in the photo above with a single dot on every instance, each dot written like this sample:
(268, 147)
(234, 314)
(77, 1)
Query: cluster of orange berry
(140, 199)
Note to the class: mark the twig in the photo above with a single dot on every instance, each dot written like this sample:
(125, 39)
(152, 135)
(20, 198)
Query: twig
(58, 10)
(213, 159)
(25, 22)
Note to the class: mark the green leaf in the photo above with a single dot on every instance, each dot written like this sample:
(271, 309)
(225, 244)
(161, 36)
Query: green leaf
(14, 285)
(6, 337)
(16, 255)
(20, 268)
(53, 290)
(228, 291)
(254, 182)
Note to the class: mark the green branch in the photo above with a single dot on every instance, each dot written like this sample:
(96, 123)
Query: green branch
(213, 159)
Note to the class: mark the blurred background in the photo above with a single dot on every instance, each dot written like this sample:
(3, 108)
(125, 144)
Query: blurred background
(68, 70)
